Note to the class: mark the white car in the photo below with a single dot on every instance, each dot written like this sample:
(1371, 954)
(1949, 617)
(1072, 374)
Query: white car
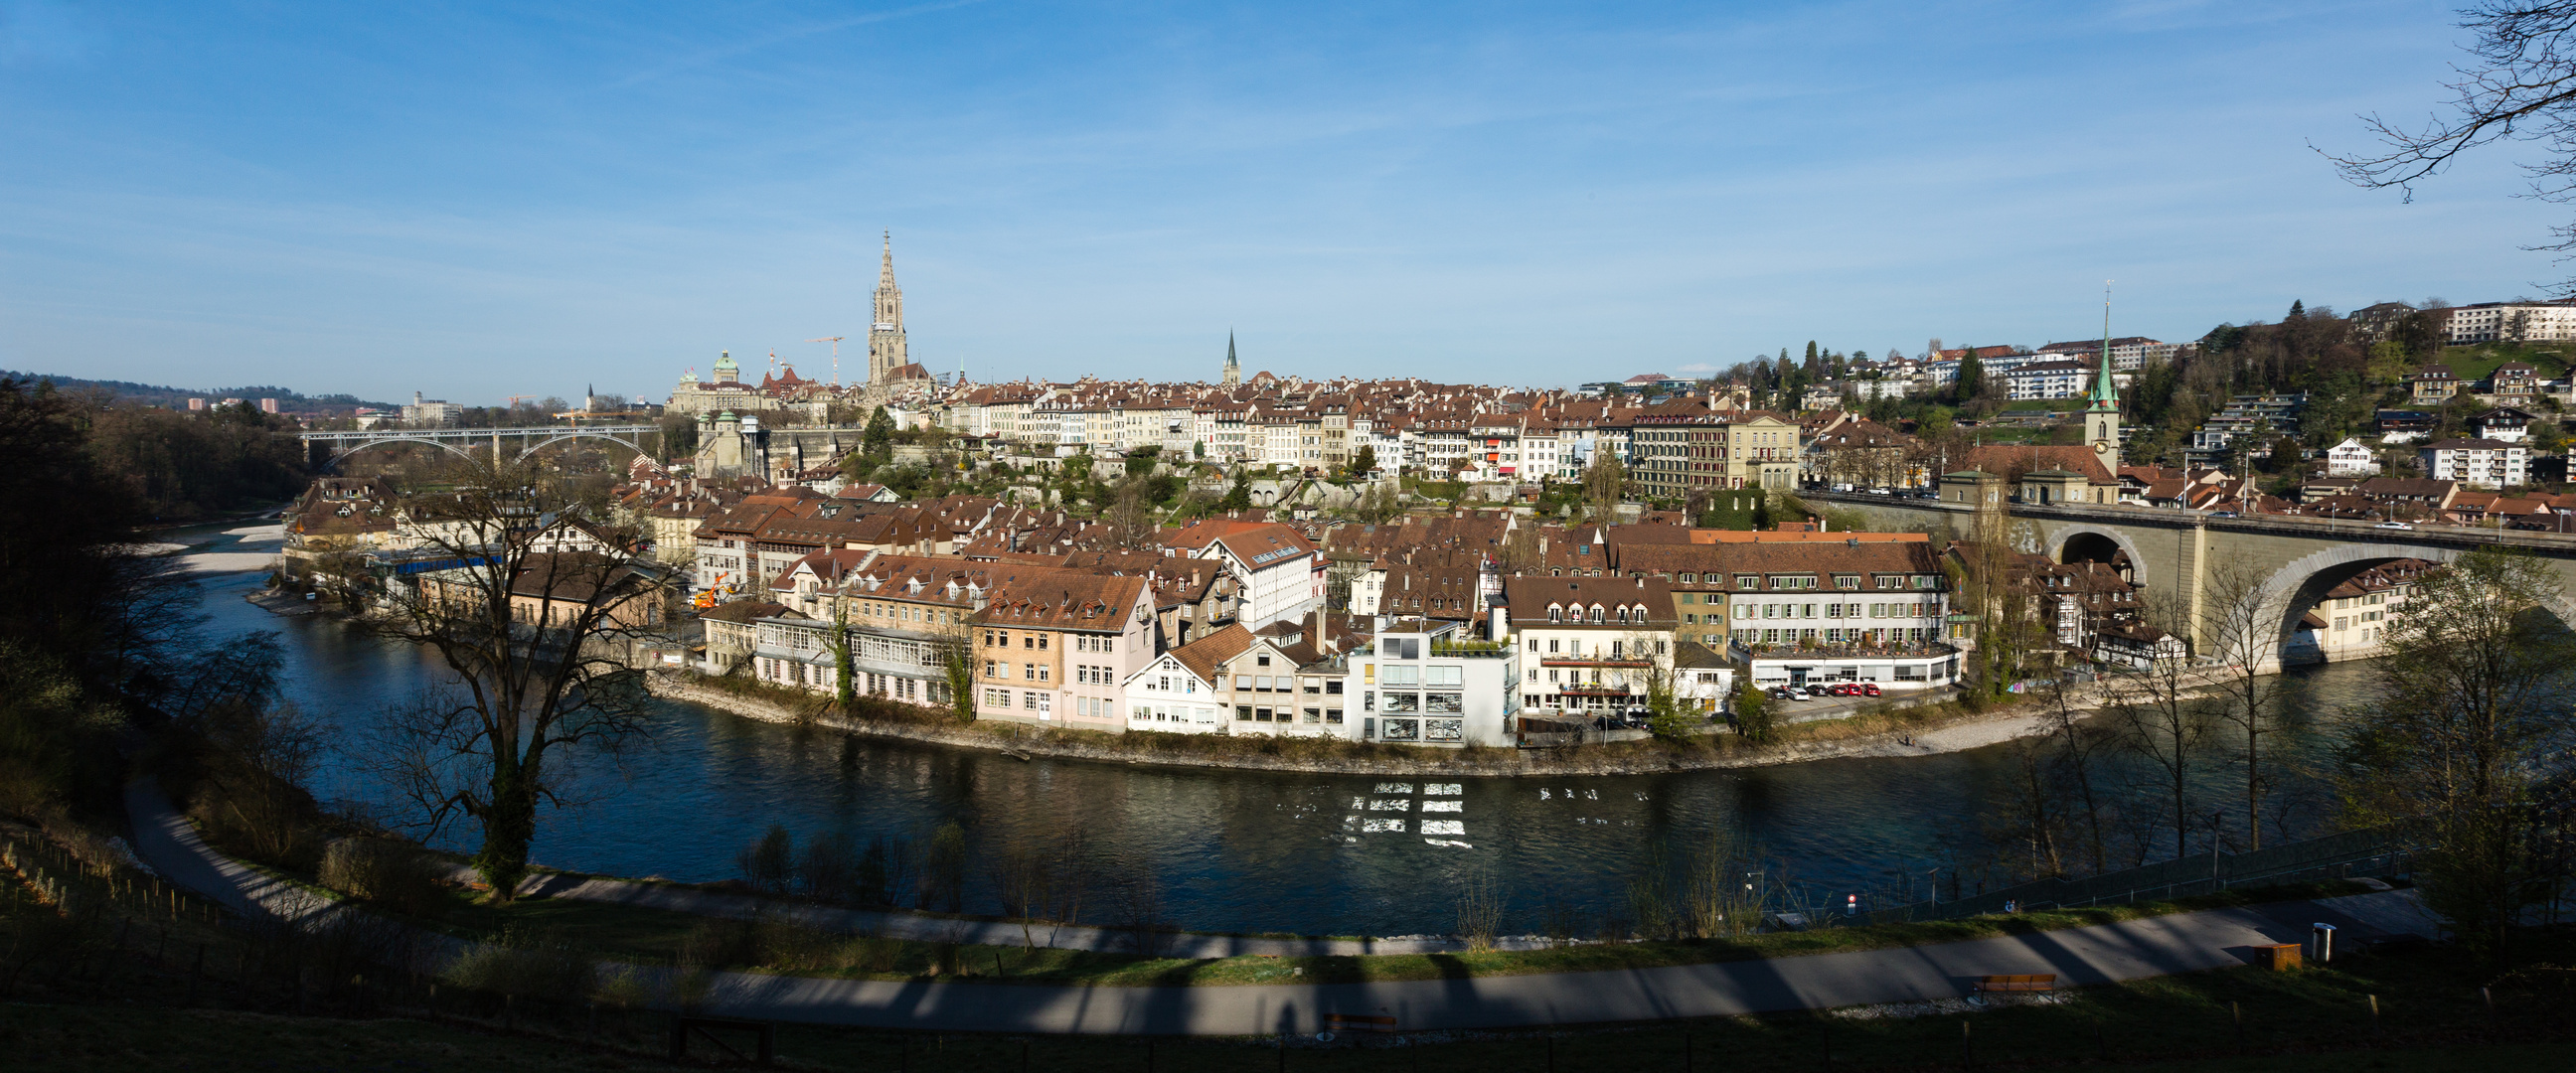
(1800, 693)
(2392, 525)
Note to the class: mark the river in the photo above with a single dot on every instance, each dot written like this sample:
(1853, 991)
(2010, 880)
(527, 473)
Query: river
(1235, 850)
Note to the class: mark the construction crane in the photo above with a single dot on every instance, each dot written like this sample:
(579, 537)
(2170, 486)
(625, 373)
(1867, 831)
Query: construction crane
(835, 340)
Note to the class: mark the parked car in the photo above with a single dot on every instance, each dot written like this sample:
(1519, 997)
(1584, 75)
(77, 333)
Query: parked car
(1880, 492)
(1866, 689)
(2392, 525)
(1779, 692)
(1799, 693)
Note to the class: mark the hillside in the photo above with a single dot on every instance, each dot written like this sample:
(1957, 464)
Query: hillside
(177, 398)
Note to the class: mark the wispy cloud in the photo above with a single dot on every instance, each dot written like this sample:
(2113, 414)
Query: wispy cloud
(711, 57)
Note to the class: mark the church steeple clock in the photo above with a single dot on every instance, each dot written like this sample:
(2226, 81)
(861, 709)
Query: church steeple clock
(2102, 413)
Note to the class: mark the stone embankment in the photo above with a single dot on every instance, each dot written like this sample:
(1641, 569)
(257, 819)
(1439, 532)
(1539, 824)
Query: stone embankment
(1961, 733)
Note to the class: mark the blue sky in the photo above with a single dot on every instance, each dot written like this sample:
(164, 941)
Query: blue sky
(474, 201)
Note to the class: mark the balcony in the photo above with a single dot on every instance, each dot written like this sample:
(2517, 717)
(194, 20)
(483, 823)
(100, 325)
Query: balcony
(1578, 661)
(1472, 650)
(1592, 689)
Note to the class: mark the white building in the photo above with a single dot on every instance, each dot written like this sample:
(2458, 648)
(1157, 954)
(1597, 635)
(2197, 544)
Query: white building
(2046, 380)
(429, 413)
(1277, 572)
(1423, 682)
(2476, 463)
(1589, 644)
(2488, 322)
(2351, 459)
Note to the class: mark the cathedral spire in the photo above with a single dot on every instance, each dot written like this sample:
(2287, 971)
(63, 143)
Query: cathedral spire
(1233, 369)
(887, 350)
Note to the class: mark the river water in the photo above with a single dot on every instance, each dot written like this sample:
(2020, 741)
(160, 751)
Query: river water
(1235, 850)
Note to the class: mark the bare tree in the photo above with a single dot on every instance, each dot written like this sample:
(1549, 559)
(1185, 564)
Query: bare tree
(1605, 486)
(2160, 720)
(2007, 629)
(2243, 623)
(1131, 518)
(529, 633)
(2520, 84)
(2078, 743)
(2465, 738)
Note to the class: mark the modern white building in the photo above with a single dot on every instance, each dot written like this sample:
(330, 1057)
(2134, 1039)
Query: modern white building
(1425, 682)
(2046, 380)
(2488, 322)
(2476, 463)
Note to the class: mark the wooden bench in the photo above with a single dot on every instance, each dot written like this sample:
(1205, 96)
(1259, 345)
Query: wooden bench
(1994, 985)
(1358, 1022)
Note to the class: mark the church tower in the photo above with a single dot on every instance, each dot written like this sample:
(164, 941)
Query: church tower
(1233, 369)
(2102, 413)
(885, 337)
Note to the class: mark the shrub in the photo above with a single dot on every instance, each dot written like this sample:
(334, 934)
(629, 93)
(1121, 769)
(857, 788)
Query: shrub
(527, 964)
(398, 876)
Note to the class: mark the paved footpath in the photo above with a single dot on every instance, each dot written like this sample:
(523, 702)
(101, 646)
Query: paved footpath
(2181, 942)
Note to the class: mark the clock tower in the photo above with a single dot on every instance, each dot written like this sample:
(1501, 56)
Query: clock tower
(2102, 413)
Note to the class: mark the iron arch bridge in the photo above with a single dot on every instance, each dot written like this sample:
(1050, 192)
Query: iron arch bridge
(327, 449)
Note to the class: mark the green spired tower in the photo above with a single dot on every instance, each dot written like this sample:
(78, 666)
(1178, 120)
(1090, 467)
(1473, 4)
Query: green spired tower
(2102, 417)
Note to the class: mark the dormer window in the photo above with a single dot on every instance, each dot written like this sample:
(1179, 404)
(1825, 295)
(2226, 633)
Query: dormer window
(1555, 613)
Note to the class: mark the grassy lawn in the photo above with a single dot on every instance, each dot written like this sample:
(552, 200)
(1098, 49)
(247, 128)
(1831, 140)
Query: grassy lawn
(2478, 362)
(627, 933)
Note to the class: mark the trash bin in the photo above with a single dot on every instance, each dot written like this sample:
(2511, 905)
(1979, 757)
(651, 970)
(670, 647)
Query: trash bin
(2278, 957)
(2321, 943)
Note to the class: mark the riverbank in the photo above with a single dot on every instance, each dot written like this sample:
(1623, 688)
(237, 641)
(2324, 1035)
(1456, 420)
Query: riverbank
(1897, 732)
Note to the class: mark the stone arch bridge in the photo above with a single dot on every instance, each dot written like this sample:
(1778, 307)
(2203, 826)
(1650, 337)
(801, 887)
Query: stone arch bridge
(326, 449)
(2298, 560)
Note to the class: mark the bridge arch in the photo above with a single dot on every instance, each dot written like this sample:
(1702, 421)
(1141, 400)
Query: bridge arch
(2077, 542)
(2302, 583)
(580, 434)
(393, 437)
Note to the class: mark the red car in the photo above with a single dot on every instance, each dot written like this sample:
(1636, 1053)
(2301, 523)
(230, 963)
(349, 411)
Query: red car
(1865, 689)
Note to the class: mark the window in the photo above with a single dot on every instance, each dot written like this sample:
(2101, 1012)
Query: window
(1551, 645)
(1847, 581)
(1243, 713)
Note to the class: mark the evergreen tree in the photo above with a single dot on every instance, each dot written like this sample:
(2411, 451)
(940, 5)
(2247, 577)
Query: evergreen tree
(878, 438)
(1972, 376)
(1238, 497)
(2298, 310)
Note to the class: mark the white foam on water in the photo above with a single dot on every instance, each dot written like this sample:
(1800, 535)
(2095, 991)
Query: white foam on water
(1391, 804)
(1449, 843)
(1542, 795)
(1442, 789)
(1394, 788)
(1444, 806)
(1359, 802)
(1592, 795)
(1372, 826)
(1443, 827)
